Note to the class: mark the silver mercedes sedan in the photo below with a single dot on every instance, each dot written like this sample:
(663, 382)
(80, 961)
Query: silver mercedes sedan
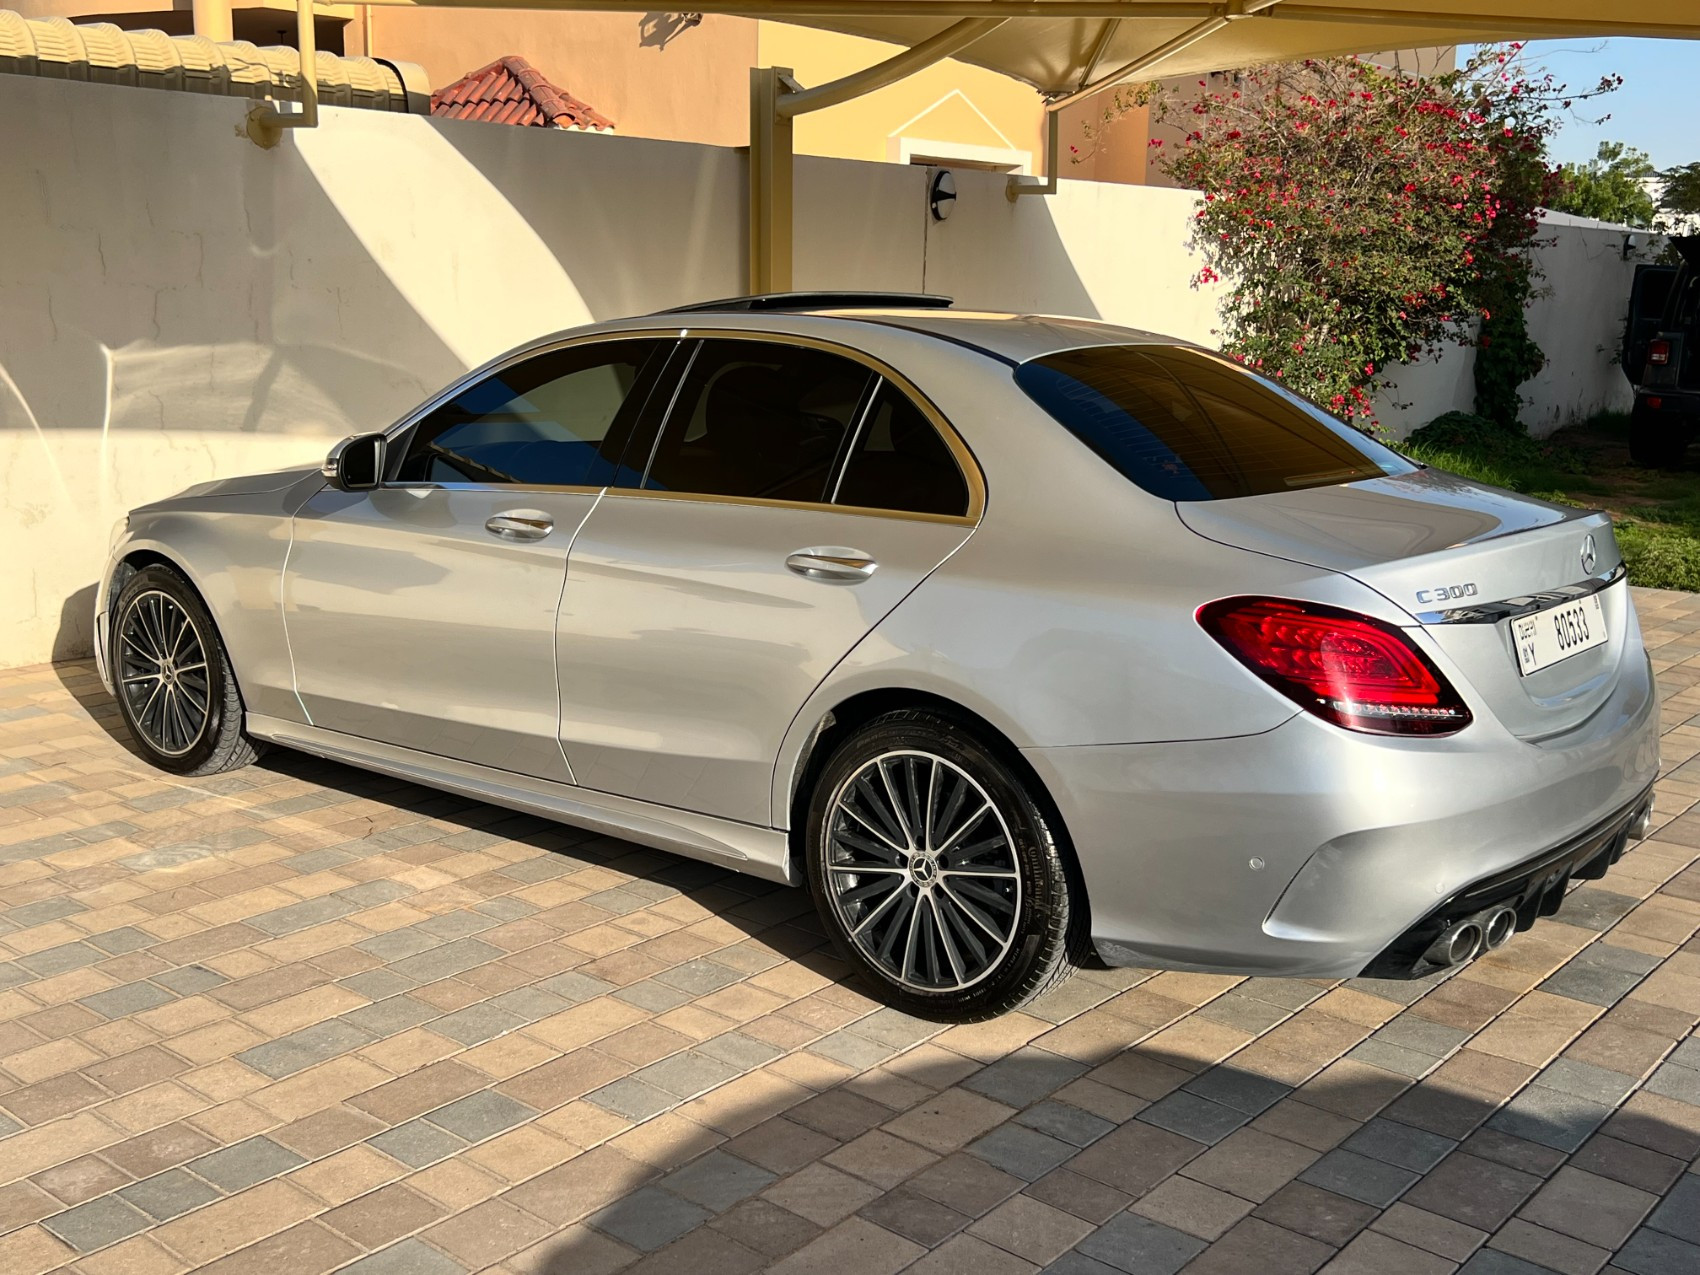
(1017, 638)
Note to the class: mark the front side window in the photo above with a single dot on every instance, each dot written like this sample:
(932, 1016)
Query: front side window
(559, 419)
(1187, 425)
(756, 419)
(900, 462)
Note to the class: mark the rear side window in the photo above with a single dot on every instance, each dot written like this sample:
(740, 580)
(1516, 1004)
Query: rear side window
(900, 462)
(758, 419)
(1186, 425)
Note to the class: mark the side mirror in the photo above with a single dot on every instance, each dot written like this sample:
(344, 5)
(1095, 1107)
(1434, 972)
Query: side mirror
(356, 463)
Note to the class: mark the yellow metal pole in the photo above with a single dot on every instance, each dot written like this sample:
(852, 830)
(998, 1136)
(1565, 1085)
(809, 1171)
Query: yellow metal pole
(265, 122)
(306, 43)
(212, 19)
(771, 167)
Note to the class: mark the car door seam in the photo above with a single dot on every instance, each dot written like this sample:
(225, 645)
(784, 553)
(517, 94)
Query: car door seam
(555, 637)
(283, 619)
(773, 782)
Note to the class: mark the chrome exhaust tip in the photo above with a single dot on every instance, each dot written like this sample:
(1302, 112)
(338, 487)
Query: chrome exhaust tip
(1499, 926)
(1642, 824)
(1457, 943)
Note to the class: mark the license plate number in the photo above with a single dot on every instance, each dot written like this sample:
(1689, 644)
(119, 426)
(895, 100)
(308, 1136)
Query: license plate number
(1546, 637)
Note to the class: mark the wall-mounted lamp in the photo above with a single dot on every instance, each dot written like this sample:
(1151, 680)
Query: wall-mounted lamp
(941, 194)
(1629, 246)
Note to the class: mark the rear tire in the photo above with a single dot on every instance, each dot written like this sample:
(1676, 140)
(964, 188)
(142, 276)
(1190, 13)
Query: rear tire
(937, 873)
(1657, 440)
(176, 691)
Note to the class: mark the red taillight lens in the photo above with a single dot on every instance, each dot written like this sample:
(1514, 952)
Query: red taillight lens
(1346, 668)
(1658, 353)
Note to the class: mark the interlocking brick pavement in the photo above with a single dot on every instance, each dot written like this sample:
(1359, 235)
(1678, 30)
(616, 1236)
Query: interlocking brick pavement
(304, 1018)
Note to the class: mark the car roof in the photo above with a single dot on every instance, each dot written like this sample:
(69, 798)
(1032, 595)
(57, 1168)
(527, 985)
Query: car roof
(1007, 336)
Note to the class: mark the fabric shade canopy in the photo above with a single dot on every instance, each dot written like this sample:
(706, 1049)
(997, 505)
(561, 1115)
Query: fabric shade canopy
(1063, 46)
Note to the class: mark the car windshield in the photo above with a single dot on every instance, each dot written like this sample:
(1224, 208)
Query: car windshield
(1188, 425)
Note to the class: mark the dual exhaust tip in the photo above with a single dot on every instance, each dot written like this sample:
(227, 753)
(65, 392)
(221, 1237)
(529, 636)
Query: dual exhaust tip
(1490, 928)
(1466, 939)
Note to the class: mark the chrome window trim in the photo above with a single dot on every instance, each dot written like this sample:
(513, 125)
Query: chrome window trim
(966, 461)
(1524, 604)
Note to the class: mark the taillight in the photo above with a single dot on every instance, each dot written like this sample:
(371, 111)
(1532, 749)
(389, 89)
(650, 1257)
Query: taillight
(1345, 668)
(1658, 352)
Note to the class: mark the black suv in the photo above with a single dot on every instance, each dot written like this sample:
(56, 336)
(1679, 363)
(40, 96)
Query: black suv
(1661, 357)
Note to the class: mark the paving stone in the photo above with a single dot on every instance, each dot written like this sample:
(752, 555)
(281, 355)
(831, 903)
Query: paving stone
(476, 1024)
(1060, 1120)
(1583, 1080)
(1323, 1215)
(98, 1223)
(1547, 1116)
(417, 1143)
(1189, 1206)
(1490, 1261)
(480, 1115)
(1679, 1214)
(687, 1074)
(125, 939)
(169, 1194)
(254, 1160)
(410, 1257)
(1193, 1117)
(772, 1231)
(1681, 1083)
(388, 1016)
(915, 1217)
(1140, 1246)
(1083, 1197)
(1422, 1035)
(575, 988)
(699, 977)
(1023, 1152)
(300, 1050)
(190, 980)
(1471, 1190)
(1411, 1063)
(1240, 1090)
(1651, 1252)
(1359, 1177)
(1400, 1144)
(1025, 1077)
(717, 1181)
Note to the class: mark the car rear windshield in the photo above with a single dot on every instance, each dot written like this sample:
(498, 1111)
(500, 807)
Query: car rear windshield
(1187, 425)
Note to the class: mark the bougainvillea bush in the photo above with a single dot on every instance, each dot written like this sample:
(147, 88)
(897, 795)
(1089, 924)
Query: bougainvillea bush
(1364, 217)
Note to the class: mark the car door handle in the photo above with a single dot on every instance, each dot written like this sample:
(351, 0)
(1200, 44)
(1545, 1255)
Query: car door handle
(520, 524)
(832, 563)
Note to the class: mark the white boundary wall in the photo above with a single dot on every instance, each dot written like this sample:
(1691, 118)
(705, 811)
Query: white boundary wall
(178, 305)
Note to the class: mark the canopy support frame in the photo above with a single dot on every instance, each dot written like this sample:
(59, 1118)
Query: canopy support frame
(265, 122)
(775, 100)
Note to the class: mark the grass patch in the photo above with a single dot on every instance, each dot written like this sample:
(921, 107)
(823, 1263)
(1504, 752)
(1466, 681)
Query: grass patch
(1655, 513)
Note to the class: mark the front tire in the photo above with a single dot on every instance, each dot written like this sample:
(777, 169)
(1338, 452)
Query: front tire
(176, 691)
(936, 871)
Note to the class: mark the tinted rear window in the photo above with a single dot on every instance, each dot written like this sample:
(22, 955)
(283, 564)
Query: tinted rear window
(1186, 425)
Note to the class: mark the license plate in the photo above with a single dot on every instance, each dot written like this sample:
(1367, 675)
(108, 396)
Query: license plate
(1546, 637)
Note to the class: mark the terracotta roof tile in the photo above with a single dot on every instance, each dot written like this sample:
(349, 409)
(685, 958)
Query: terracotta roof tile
(512, 91)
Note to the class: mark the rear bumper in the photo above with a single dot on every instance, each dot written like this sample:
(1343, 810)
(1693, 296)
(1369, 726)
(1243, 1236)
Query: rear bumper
(1533, 889)
(1308, 851)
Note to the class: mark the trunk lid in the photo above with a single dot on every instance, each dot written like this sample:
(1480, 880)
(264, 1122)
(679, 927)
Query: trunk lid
(1445, 550)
